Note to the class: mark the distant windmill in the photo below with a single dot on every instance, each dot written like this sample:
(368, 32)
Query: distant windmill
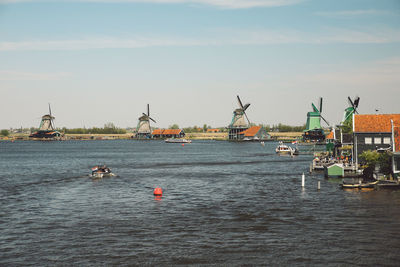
(47, 123)
(239, 114)
(143, 128)
(47, 128)
(238, 123)
(349, 111)
(314, 131)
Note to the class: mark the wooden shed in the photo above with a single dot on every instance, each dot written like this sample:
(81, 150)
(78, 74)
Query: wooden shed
(334, 170)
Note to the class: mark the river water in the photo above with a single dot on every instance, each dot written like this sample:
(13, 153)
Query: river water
(223, 204)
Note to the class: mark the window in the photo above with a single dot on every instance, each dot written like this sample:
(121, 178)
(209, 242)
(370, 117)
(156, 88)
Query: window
(386, 140)
(377, 140)
(368, 140)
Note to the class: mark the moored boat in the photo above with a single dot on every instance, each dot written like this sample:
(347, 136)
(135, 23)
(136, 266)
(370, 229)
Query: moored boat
(101, 171)
(358, 184)
(177, 140)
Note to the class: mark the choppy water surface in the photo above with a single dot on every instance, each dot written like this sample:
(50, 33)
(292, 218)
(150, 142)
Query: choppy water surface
(224, 204)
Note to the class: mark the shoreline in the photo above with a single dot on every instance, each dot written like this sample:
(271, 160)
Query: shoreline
(278, 136)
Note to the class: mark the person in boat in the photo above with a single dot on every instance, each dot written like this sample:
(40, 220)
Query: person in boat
(98, 169)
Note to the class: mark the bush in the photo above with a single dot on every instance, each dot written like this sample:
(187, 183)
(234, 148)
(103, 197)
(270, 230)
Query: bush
(4, 133)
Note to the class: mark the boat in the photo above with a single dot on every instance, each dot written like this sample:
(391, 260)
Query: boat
(101, 171)
(284, 149)
(177, 140)
(358, 184)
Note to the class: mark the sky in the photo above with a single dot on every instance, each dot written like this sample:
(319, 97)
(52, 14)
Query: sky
(100, 61)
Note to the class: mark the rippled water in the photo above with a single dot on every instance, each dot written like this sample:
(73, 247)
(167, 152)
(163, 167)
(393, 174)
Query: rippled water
(223, 204)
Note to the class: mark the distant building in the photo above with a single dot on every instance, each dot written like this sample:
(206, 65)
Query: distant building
(373, 132)
(331, 137)
(168, 133)
(213, 130)
(254, 133)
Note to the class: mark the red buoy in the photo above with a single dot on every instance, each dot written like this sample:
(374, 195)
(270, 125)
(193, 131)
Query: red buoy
(157, 191)
(183, 144)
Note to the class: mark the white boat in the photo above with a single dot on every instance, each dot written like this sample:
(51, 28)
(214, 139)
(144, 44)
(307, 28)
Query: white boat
(101, 171)
(284, 149)
(177, 140)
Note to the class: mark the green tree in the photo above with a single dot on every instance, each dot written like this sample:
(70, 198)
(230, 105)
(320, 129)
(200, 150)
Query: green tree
(174, 126)
(4, 133)
(347, 126)
(371, 159)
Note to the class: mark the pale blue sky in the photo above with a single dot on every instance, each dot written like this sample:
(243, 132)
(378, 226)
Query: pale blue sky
(103, 61)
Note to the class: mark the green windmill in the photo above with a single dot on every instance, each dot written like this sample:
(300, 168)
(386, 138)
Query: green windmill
(348, 112)
(314, 131)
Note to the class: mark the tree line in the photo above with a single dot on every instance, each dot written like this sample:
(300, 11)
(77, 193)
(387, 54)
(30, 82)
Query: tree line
(110, 128)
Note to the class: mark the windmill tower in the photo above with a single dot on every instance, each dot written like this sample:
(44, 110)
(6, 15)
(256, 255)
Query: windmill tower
(240, 122)
(143, 127)
(314, 131)
(47, 128)
(348, 112)
(47, 123)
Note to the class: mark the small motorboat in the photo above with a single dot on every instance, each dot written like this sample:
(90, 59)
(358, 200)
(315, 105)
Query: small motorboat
(101, 171)
(177, 140)
(358, 184)
(284, 149)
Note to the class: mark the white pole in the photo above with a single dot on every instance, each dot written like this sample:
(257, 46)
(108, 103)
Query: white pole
(302, 180)
(319, 185)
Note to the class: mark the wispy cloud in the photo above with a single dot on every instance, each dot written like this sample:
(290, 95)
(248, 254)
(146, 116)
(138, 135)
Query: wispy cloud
(352, 13)
(234, 4)
(99, 43)
(217, 38)
(30, 76)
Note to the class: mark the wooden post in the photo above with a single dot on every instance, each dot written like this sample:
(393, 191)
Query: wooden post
(319, 185)
(302, 180)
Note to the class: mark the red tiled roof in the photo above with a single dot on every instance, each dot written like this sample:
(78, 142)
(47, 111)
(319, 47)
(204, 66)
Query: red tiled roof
(374, 123)
(212, 130)
(252, 131)
(172, 131)
(166, 132)
(156, 132)
(330, 135)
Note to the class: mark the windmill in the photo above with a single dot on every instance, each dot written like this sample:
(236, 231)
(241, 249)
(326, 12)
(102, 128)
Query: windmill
(47, 128)
(349, 111)
(240, 121)
(143, 128)
(314, 131)
(47, 123)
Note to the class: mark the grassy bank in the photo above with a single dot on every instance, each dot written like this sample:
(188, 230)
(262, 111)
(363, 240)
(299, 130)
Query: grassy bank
(193, 136)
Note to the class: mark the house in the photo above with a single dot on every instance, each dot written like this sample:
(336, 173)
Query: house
(396, 149)
(168, 133)
(373, 132)
(254, 133)
(213, 130)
